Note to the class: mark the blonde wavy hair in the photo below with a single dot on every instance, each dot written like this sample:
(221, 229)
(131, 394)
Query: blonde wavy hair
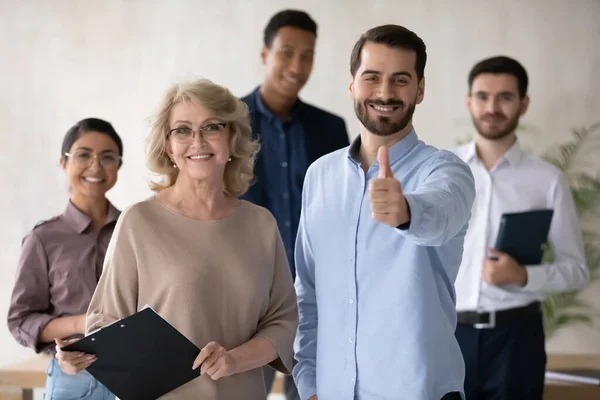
(223, 106)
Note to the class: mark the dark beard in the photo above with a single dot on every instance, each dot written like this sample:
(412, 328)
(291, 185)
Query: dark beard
(511, 125)
(382, 126)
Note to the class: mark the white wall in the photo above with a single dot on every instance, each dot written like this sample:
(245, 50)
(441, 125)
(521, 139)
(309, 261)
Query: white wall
(63, 60)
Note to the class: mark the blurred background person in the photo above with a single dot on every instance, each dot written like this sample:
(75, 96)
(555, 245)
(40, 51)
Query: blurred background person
(293, 134)
(500, 328)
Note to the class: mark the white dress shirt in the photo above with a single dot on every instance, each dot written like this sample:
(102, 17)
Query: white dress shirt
(518, 182)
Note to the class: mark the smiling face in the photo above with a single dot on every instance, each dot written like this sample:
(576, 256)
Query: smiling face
(289, 61)
(87, 175)
(198, 156)
(386, 89)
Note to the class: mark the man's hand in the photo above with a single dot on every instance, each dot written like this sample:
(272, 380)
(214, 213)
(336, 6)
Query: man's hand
(501, 269)
(387, 200)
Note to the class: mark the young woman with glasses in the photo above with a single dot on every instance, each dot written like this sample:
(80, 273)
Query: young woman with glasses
(62, 258)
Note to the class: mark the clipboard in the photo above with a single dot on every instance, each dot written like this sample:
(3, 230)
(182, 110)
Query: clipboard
(524, 235)
(141, 357)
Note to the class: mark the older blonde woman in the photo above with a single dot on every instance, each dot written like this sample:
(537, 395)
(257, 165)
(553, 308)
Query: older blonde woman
(210, 264)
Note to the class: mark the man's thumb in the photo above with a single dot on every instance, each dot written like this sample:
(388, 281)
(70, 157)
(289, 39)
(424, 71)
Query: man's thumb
(383, 158)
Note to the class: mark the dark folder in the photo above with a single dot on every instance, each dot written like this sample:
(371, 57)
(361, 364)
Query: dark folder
(523, 235)
(141, 357)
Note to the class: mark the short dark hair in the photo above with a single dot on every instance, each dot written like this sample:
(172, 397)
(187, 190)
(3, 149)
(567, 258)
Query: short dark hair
(501, 65)
(293, 18)
(90, 125)
(393, 36)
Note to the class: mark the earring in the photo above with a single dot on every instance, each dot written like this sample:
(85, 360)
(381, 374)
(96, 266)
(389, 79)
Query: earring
(229, 159)
(174, 165)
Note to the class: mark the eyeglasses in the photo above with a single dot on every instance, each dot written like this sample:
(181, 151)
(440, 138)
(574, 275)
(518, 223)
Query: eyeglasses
(85, 158)
(185, 135)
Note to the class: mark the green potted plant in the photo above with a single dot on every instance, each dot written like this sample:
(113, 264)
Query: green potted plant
(562, 309)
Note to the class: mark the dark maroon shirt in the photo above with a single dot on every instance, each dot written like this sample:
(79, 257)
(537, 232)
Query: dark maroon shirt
(59, 267)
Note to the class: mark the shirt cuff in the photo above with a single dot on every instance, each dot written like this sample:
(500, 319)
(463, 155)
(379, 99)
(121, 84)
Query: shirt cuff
(406, 225)
(31, 329)
(307, 386)
(536, 278)
(414, 212)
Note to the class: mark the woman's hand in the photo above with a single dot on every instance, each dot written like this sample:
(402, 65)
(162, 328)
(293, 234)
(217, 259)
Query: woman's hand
(216, 361)
(72, 362)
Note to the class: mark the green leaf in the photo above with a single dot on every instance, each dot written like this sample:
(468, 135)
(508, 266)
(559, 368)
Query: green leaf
(564, 320)
(585, 189)
(464, 140)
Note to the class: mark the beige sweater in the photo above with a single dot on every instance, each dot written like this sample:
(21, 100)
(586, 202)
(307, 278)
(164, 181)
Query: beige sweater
(225, 281)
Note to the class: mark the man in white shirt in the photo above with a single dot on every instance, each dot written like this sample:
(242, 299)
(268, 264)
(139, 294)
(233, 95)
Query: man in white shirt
(500, 329)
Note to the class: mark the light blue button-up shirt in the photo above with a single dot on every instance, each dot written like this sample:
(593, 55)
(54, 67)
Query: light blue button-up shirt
(376, 303)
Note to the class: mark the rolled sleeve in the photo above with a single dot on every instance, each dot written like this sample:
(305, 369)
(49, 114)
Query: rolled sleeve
(30, 300)
(281, 321)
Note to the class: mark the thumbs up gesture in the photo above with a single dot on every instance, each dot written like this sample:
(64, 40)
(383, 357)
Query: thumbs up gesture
(387, 200)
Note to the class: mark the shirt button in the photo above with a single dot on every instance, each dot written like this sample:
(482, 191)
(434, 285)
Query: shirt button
(286, 195)
(288, 223)
(351, 301)
(351, 341)
(284, 164)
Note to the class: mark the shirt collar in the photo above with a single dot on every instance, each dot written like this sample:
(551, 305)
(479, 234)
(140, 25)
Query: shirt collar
(396, 152)
(471, 152)
(260, 106)
(81, 221)
(512, 155)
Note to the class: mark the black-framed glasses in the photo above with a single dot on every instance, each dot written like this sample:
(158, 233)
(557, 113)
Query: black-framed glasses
(85, 158)
(185, 135)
